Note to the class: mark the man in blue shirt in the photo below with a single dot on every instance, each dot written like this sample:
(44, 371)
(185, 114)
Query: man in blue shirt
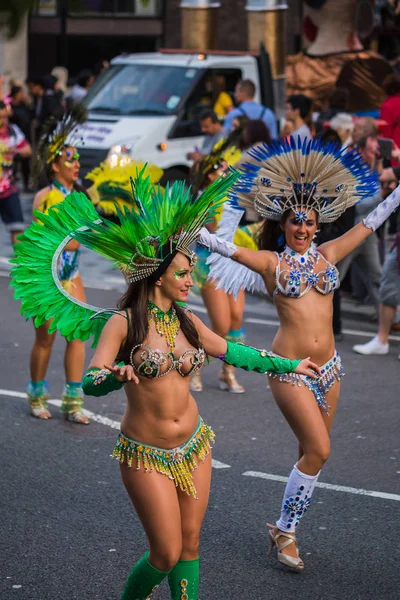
(245, 91)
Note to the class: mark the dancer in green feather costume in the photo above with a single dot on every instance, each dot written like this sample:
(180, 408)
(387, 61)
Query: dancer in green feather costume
(158, 344)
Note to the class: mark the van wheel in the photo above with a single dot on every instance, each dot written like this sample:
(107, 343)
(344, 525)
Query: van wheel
(174, 174)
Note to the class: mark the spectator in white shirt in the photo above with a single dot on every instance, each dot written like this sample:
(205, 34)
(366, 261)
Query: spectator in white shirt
(344, 125)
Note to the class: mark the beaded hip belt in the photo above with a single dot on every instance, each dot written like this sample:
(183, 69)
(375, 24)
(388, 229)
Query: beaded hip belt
(176, 463)
(331, 371)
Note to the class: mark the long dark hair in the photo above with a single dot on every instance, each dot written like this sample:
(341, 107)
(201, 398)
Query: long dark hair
(271, 236)
(135, 298)
(254, 132)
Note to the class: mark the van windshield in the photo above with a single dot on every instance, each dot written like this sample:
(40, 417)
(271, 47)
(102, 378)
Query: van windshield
(141, 89)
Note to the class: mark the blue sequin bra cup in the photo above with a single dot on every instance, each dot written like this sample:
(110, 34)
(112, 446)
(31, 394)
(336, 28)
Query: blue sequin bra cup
(296, 274)
(331, 371)
(154, 364)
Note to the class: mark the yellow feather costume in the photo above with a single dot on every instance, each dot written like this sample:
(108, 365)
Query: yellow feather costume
(111, 188)
(53, 197)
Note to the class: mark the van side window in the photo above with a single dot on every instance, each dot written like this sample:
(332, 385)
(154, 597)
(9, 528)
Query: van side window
(213, 90)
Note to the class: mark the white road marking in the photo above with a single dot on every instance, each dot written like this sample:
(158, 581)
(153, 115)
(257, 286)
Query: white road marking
(12, 394)
(220, 465)
(95, 417)
(327, 486)
(98, 419)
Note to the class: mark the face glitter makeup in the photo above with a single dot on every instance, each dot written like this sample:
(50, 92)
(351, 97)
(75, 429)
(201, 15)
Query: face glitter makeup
(179, 274)
(70, 157)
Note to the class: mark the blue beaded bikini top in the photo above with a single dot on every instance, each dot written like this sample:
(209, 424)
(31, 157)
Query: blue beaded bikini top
(296, 275)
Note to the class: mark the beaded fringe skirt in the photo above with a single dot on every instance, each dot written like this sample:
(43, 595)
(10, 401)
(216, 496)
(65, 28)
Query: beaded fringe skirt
(176, 463)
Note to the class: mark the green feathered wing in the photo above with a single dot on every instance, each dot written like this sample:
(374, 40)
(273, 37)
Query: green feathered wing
(34, 276)
(161, 215)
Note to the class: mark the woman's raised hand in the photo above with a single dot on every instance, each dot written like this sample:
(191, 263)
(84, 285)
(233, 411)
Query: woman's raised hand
(124, 374)
(306, 367)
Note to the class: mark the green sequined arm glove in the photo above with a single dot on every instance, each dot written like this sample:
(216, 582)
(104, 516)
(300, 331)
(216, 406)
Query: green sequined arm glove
(99, 382)
(260, 361)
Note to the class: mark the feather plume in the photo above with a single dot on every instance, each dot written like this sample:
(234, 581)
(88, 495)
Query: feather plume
(56, 134)
(302, 176)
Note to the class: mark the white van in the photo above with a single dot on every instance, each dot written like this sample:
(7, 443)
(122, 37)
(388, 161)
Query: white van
(147, 105)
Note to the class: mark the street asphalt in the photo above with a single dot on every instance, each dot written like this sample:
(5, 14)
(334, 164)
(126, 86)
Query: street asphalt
(68, 530)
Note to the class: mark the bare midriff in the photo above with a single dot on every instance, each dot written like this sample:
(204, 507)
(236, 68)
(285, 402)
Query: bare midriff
(305, 326)
(161, 412)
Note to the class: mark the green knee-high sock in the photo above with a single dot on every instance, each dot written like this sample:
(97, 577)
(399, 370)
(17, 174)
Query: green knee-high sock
(183, 580)
(143, 580)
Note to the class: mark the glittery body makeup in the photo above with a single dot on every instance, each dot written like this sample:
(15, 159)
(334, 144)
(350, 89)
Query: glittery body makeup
(179, 274)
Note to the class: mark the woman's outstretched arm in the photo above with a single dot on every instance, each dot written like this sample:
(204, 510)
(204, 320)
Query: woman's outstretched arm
(337, 249)
(260, 261)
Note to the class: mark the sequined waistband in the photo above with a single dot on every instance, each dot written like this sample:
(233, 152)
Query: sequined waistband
(169, 454)
(331, 371)
(176, 463)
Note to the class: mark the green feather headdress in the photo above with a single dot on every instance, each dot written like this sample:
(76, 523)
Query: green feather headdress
(167, 222)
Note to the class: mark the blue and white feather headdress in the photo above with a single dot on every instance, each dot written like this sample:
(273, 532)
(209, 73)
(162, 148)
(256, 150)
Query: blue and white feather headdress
(303, 176)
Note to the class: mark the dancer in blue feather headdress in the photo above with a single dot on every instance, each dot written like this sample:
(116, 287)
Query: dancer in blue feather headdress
(296, 186)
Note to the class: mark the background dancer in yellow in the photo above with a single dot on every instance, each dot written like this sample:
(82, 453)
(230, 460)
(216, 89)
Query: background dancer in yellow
(60, 159)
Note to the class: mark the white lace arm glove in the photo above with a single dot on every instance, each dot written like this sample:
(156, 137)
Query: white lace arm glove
(378, 216)
(216, 244)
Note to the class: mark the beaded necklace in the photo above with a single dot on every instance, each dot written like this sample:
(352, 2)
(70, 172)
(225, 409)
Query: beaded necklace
(65, 191)
(166, 324)
(302, 265)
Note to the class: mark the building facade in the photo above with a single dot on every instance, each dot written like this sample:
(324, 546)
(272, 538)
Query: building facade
(78, 33)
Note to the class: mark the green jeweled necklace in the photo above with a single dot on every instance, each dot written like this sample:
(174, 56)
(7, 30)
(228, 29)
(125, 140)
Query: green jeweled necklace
(166, 324)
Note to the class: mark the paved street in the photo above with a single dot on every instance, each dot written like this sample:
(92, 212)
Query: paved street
(69, 531)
